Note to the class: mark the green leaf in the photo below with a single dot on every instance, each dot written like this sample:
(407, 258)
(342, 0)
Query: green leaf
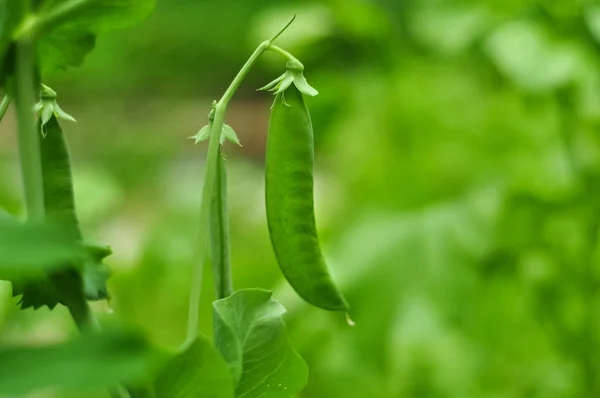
(202, 135)
(99, 15)
(252, 336)
(35, 292)
(68, 41)
(64, 48)
(198, 371)
(38, 290)
(227, 133)
(94, 360)
(67, 28)
(11, 13)
(30, 249)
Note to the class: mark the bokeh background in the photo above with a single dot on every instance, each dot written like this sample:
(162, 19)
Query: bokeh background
(457, 185)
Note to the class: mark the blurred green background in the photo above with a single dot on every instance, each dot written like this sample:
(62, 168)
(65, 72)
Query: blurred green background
(457, 185)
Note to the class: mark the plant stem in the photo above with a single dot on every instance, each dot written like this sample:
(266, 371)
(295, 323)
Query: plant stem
(70, 287)
(4, 106)
(207, 191)
(284, 53)
(29, 148)
(219, 233)
(83, 316)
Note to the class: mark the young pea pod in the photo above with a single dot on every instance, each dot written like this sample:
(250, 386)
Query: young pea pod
(218, 218)
(60, 205)
(56, 168)
(219, 233)
(289, 199)
(88, 278)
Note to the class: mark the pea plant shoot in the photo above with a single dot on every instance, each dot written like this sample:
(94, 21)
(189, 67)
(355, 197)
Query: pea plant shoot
(48, 261)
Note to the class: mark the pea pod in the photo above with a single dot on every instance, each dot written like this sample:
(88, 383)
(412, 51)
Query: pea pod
(56, 168)
(219, 233)
(59, 204)
(289, 200)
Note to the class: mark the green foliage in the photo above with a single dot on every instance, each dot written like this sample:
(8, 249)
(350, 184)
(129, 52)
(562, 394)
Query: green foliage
(263, 364)
(69, 40)
(91, 361)
(227, 133)
(220, 251)
(252, 337)
(30, 249)
(66, 29)
(518, 48)
(196, 371)
(456, 174)
(37, 290)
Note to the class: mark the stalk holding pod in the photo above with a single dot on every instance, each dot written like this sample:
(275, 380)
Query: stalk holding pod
(289, 200)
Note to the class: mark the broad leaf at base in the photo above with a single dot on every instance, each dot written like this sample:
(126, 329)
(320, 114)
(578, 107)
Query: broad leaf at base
(93, 360)
(252, 336)
(92, 273)
(198, 371)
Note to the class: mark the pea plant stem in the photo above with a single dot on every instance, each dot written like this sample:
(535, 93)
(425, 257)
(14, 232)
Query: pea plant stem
(209, 186)
(4, 106)
(29, 147)
(286, 54)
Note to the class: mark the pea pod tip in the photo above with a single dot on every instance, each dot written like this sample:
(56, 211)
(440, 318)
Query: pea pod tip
(349, 320)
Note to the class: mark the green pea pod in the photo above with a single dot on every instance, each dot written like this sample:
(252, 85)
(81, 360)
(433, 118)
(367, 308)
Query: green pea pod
(219, 233)
(289, 199)
(60, 205)
(58, 187)
(88, 278)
